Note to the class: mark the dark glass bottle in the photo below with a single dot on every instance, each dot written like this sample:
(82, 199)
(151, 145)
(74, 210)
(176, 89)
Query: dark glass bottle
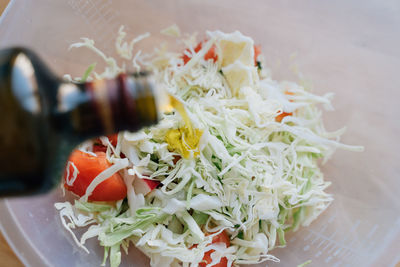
(43, 118)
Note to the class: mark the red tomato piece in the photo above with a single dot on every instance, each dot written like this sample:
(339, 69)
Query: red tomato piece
(89, 166)
(176, 158)
(280, 117)
(257, 52)
(220, 238)
(99, 148)
(113, 138)
(211, 53)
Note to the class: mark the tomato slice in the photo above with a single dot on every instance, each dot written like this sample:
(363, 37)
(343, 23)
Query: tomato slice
(176, 158)
(257, 52)
(99, 147)
(220, 238)
(211, 53)
(280, 117)
(113, 138)
(89, 166)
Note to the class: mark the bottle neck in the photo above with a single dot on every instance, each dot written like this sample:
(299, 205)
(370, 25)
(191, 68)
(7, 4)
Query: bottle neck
(77, 110)
(107, 106)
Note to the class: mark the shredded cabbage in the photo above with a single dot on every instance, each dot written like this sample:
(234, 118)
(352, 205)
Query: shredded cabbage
(254, 177)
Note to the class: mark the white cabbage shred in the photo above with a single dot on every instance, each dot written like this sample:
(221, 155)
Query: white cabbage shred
(255, 177)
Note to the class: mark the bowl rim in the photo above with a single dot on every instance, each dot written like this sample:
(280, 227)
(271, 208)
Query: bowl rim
(17, 238)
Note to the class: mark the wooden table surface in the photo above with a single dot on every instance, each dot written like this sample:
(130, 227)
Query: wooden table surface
(7, 256)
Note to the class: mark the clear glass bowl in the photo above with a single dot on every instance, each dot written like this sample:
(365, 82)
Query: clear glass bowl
(338, 46)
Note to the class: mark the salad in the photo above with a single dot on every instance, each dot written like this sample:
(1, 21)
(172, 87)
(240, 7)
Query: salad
(222, 178)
